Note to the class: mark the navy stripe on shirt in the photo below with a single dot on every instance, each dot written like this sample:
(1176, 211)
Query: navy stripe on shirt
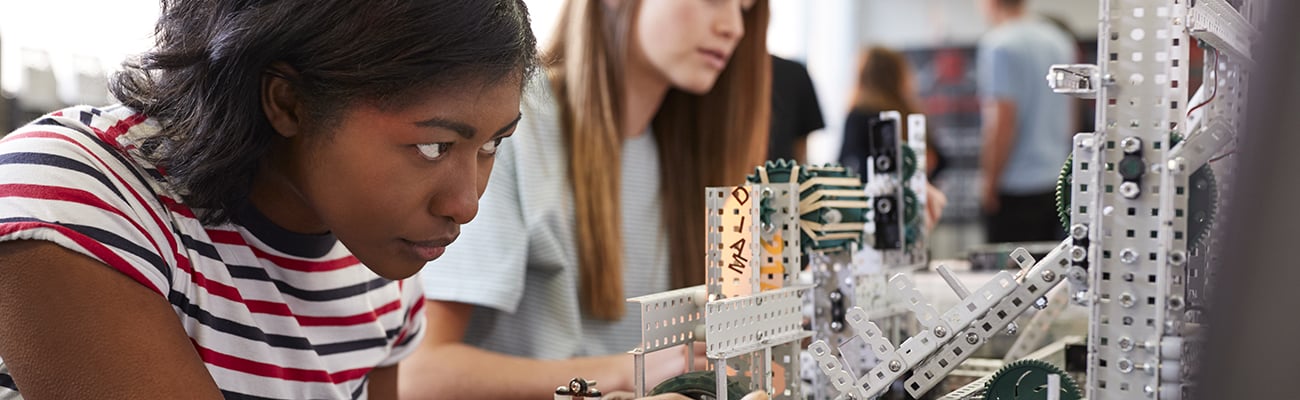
(58, 161)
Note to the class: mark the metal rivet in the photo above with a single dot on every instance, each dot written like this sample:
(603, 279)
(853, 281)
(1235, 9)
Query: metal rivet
(1125, 344)
(1176, 302)
(1078, 254)
(894, 365)
(1126, 300)
(1048, 276)
(885, 205)
(832, 216)
(940, 332)
(1129, 190)
(1124, 365)
(883, 163)
(1128, 256)
(972, 338)
(1177, 257)
(1131, 144)
(1079, 231)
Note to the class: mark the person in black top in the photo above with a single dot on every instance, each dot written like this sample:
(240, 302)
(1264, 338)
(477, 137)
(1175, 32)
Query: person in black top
(795, 111)
(885, 83)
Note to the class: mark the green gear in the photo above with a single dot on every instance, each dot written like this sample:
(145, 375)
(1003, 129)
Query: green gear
(700, 385)
(777, 171)
(782, 171)
(1202, 204)
(1027, 380)
(911, 215)
(832, 170)
(909, 163)
(1202, 200)
(1063, 182)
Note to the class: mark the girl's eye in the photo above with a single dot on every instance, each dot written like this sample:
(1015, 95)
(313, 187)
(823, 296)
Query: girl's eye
(490, 148)
(433, 151)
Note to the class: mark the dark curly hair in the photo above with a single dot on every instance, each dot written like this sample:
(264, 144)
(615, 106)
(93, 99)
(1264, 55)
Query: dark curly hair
(202, 80)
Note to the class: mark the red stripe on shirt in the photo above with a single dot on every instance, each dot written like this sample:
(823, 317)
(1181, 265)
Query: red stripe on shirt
(304, 265)
(97, 249)
(177, 207)
(225, 237)
(60, 193)
(216, 358)
(411, 314)
(130, 188)
(357, 319)
(294, 264)
(275, 308)
(110, 136)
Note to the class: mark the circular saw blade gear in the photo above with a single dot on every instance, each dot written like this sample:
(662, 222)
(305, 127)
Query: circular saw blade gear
(700, 385)
(1202, 204)
(1063, 182)
(814, 232)
(1027, 380)
(1202, 199)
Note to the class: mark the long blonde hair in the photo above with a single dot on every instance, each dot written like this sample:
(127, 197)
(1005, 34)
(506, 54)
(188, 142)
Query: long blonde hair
(881, 76)
(704, 140)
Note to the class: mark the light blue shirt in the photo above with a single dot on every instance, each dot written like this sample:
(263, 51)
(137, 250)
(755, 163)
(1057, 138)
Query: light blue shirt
(517, 261)
(1011, 63)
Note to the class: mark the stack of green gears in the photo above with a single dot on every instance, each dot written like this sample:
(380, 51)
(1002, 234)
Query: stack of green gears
(814, 236)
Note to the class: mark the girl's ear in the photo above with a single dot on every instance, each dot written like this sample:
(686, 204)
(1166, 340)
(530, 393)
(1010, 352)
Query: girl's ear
(280, 102)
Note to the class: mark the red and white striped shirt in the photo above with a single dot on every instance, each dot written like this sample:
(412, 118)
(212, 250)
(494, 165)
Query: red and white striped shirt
(273, 314)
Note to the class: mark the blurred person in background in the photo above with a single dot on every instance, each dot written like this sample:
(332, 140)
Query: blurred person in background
(886, 83)
(1026, 127)
(643, 104)
(795, 111)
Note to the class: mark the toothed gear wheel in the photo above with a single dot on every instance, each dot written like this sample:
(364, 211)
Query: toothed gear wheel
(911, 215)
(1063, 182)
(1027, 380)
(777, 172)
(781, 171)
(1202, 204)
(1202, 197)
(700, 385)
(909, 163)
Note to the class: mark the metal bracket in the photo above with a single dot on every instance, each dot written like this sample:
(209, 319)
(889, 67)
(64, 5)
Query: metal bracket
(1220, 25)
(1047, 273)
(1078, 80)
(1194, 152)
(743, 325)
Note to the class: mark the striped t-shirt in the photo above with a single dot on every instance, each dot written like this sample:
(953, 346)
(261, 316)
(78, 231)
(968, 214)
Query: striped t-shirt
(273, 314)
